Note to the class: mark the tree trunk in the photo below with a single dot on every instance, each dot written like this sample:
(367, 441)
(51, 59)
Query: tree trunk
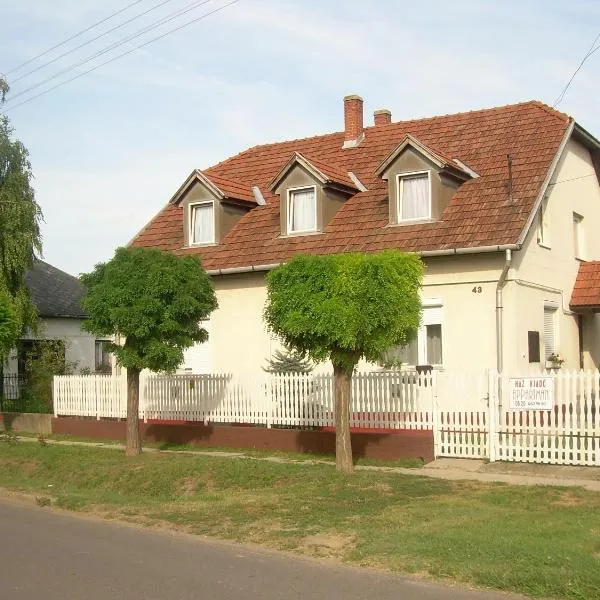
(341, 391)
(134, 445)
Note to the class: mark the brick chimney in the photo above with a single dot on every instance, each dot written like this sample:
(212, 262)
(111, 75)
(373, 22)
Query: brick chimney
(353, 121)
(382, 117)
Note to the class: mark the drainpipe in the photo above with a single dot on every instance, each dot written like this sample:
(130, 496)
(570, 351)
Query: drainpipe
(499, 307)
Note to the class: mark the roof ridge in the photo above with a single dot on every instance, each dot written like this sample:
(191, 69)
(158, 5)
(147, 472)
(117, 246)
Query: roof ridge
(491, 109)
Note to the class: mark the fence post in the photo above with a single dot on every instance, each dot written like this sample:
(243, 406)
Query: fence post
(493, 407)
(269, 397)
(435, 415)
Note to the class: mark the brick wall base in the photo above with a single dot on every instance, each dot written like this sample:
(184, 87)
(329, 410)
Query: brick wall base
(390, 445)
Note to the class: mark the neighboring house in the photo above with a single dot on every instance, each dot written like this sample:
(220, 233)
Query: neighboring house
(57, 297)
(502, 204)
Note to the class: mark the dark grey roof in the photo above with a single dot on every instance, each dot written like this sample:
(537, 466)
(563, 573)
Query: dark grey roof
(54, 292)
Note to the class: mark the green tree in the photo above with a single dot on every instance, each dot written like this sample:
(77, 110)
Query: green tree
(151, 302)
(288, 361)
(20, 218)
(342, 308)
(9, 326)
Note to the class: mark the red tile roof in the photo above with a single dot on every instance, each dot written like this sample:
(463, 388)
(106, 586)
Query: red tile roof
(478, 215)
(332, 172)
(233, 189)
(586, 292)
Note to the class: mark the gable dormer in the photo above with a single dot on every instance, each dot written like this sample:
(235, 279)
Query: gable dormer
(421, 181)
(311, 192)
(211, 206)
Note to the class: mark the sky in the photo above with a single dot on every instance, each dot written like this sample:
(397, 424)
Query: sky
(110, 148)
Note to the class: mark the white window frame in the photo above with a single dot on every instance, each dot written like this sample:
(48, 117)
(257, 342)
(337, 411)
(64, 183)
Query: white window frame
(290, 192)
(191, 220)
(543, 225)
(399, 191)
(578, 236)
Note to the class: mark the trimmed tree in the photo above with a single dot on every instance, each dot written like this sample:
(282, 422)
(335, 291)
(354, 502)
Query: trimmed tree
(342, 308)
(152, 303)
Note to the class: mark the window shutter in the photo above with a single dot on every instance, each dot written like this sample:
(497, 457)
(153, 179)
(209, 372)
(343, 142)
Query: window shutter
(549, 340)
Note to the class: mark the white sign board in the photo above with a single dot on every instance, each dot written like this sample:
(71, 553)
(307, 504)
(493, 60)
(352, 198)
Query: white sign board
(531, 393)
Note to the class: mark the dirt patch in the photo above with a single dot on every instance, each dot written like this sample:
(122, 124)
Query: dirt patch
(188, 487)
(382, 488)
(329, 545)
(568, 500)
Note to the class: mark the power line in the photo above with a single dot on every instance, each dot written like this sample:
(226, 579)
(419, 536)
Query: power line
(101, 35)
(171, 31)
(166, 19)
(572, 179)
(589, 53)
(78, 34)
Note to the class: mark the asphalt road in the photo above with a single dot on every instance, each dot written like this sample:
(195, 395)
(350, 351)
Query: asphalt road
(51, 555)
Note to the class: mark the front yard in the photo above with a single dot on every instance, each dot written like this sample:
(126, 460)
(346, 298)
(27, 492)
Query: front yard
(543, 542)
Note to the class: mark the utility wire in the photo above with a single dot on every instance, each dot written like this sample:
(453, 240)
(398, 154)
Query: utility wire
(593, 48)
(78, 34)
(101, 35)
(168, 18)
(171, 31)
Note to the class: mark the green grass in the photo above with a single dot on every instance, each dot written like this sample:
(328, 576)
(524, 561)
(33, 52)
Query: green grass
(406, 463)
(544, 542)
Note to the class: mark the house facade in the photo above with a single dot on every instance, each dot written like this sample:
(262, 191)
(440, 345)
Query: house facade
(57, 298)
(501, 204)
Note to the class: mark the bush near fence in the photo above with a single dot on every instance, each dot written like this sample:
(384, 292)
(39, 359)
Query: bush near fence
(18, 395)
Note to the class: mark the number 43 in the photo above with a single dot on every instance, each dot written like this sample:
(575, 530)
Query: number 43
(477, 289)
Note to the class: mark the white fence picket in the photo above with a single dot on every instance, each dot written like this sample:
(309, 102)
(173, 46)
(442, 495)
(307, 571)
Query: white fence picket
(469, 413)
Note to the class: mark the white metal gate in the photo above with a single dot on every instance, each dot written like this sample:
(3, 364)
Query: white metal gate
(486, 426)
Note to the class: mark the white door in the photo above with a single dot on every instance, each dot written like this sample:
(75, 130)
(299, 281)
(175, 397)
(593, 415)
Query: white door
(198, 358)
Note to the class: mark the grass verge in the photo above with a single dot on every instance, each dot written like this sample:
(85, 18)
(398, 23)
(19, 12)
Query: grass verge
(544, 542)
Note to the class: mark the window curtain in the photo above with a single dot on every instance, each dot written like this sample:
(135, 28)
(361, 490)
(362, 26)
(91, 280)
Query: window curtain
(203, 225)
(434, 344)
(303, 210)
(415, 197)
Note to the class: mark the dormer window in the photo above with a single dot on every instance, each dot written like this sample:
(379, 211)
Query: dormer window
(302, 210)
(414, 196)
(202, 223)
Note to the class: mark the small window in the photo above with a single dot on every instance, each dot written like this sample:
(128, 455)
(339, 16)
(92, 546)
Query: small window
(102, 362)
(543, 229)
(533, 346)
(302, 210)
(426, 348)
(414, 196)
(578, 237)
(202, 223)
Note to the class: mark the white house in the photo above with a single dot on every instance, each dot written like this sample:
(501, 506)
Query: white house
(57, 297)
(502, 205)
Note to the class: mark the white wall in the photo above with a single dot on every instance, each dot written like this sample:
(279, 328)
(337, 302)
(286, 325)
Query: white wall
(239, 341)
(79, 345)
(548, 272)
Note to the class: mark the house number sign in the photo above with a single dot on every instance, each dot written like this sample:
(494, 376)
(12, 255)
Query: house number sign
(530, 393)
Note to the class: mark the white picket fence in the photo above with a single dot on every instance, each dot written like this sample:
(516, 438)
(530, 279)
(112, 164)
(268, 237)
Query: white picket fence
(468, 413)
